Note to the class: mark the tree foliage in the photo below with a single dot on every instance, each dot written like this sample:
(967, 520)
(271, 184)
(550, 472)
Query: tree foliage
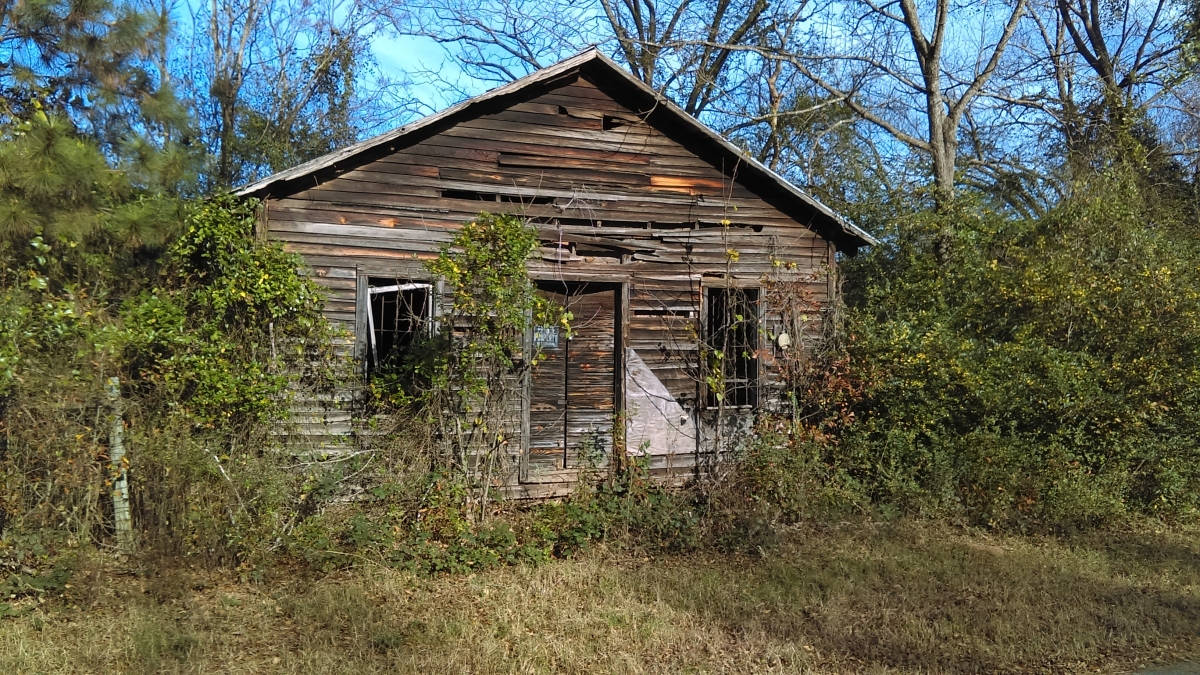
(1037, 371)
(274, 84)
(207, 347)
(231, 326)
(57, 184)
(100, 65)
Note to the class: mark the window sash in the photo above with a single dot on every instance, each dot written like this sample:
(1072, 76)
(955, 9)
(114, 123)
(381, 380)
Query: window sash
(737, 340)
(398, 289)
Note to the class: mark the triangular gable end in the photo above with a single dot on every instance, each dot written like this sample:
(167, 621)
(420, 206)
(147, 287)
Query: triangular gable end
(655, 233)
(586, 98)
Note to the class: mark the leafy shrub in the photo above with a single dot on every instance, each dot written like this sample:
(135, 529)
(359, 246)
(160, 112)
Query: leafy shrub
(1029, 373)
(433, 531)
(788, 474)
(627, 508)
(34, 564)
(460, 379)
(212, 358)
(207, 358)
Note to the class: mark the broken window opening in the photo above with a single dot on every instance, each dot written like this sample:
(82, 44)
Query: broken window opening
(476, 195)
(610, 122)
(398, 314)
(733, 339)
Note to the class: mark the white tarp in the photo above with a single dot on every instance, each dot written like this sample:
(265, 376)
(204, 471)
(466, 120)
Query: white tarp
(656, 423)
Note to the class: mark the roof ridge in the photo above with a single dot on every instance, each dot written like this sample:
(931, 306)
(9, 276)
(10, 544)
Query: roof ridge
(549, 73)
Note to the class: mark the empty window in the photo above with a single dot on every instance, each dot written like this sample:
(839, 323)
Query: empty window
(733, 339)
(397, 315)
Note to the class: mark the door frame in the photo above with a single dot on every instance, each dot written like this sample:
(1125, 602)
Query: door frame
(620, 290)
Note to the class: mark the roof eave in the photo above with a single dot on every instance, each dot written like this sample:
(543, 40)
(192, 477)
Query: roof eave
(849, 236)
(696, 126)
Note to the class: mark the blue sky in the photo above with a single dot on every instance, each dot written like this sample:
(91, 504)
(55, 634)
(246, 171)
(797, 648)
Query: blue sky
(398, 58)
(401, 57)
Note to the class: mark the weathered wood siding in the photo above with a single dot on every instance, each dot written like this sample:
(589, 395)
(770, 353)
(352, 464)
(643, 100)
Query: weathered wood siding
(572, 404)
(615, 200)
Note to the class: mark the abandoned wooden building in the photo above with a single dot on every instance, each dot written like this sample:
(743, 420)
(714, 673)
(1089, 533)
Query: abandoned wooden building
(656, 233)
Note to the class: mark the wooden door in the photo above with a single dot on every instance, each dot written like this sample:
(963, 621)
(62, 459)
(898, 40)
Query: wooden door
(572, 389)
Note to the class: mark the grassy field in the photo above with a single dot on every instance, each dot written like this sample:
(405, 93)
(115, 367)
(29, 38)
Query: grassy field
(909, 598)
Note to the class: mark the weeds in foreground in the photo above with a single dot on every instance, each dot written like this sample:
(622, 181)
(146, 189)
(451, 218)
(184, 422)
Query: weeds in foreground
(865, 598)
(431, 530)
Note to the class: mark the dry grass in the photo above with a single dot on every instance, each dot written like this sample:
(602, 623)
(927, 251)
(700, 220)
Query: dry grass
(904, 599)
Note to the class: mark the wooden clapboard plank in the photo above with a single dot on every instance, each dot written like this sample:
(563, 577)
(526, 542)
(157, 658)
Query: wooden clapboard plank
(633, 206)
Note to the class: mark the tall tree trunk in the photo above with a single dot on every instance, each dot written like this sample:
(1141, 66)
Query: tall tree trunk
(943, 148)
(225, 137)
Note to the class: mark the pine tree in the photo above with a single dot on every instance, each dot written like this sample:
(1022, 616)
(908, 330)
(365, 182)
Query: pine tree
(100, 65)
(95, 147)
(58, 184)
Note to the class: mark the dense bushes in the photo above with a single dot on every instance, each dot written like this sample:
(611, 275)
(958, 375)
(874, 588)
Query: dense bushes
(228, 327)
(212, 356)
(1029, 372)
(435, 530)
(206, 341)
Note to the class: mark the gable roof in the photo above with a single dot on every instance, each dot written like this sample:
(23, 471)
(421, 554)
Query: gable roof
(610, 77)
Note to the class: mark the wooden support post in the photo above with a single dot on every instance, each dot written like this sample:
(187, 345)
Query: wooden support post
(362, 334)
(123, 522)
(621, 368)
(261, 222)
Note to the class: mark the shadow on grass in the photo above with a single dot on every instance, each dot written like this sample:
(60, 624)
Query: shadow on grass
(910, 598)
(901, 598)
(1165, 552)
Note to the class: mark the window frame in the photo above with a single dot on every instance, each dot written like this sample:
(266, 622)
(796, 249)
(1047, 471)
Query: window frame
(370, 356)
(753, 381)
